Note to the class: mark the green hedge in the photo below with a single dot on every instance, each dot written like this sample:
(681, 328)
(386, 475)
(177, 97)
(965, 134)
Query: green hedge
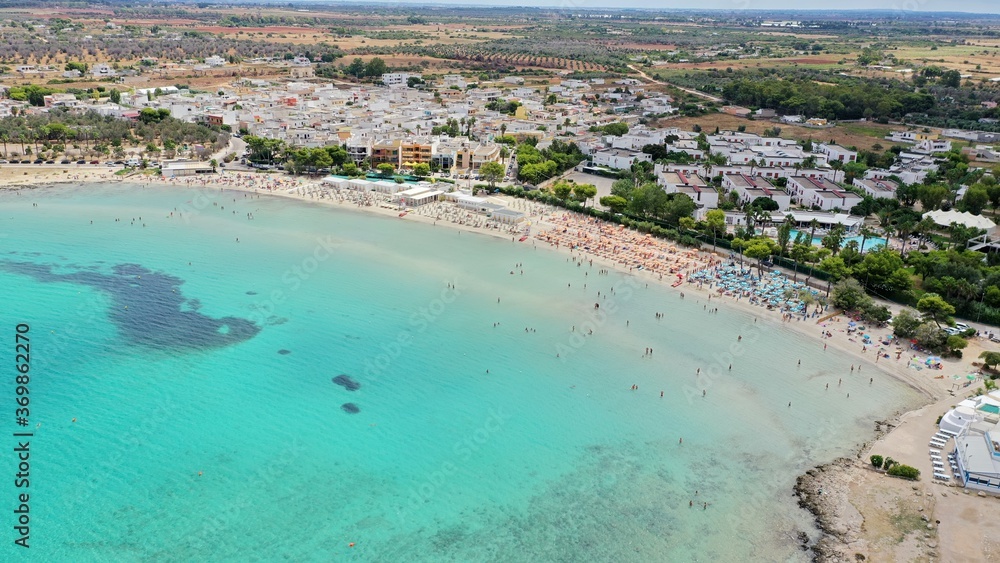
(904, 471)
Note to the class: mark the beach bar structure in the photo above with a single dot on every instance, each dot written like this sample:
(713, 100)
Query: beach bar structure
(336, 182)
(360, 185)
(418, 196)
(176, 168)
(507, 216)
(977, 453)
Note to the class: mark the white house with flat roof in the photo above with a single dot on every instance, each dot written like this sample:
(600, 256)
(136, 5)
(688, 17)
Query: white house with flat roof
(620, 159)
(750, 188)
(878, 189)
(837, 152)
(692, 185)
(822, 193)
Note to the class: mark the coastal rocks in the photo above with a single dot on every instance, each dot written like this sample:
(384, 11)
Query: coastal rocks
(284, 352)
(350, 408)
(823, 492)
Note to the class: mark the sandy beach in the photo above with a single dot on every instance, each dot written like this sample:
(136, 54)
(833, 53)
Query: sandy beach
(860, 511)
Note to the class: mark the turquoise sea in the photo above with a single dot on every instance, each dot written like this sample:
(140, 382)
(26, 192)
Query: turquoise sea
(184, 408)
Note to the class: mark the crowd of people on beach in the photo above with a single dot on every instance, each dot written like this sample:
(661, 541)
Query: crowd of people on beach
(625, 247)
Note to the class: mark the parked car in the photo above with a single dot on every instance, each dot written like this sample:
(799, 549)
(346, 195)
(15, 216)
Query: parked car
(3, 161)
(81, 162)
(39, 161)
(66, 161)
(95, 162)
(50, 162)
(962, 326)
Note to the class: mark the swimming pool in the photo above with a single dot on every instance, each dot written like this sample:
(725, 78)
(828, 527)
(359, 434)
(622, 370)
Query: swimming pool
(990, 408)
(870, 244)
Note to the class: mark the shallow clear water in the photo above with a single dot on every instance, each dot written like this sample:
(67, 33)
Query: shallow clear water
(207, 425)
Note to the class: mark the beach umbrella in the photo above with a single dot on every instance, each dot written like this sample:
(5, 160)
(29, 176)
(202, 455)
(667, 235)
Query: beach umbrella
(970, 377)
(852, 323)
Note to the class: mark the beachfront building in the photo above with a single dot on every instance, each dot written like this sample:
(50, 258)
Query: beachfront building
(176, 168)
(693, 185)
(821, 193)
(975, 423)
(750, 188)
(415, 197)
(977, 455)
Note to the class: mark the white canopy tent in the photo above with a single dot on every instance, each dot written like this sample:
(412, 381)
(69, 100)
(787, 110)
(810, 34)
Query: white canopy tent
(946, 218)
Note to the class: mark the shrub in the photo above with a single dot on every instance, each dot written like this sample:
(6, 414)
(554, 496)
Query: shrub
(905, 471)
(876, 461)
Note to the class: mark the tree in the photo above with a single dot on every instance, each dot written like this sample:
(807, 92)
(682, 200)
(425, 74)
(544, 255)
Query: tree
(356, 68)
(935, 308)
(849, 295)
(881, 271)
(932, 196)
(785, 234)
(376, 67)
(976, 198)
(562, 190)
(715, 221)
(422, 169)
(905, 324)
(583, 192)
(115, 96)
(990, 359)
(759, 249)
(615, 203)
(492, 172)
(386, 169)
(951, 78)
(835, 267)
(834, 239)
(764, 204)
(800, 254)
(876, 461)
(956, 343)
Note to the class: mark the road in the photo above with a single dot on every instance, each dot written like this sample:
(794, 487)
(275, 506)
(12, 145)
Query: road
(681, 88)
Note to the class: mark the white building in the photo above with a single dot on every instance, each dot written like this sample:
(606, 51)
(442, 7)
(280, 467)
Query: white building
(877, 188)
(821, 193)
(837, 152)
(692, 185)
(750, 188)
(620, 159)
(215, 60)
(395, 78)
(102, 70)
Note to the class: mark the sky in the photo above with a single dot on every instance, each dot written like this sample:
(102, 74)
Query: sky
(976, 6)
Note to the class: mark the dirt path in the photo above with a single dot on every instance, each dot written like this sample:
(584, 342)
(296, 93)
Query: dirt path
(688, 90)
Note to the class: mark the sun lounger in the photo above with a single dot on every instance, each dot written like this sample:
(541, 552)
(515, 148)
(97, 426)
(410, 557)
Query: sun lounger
(947, 433)
(942, 477)
(940, 442)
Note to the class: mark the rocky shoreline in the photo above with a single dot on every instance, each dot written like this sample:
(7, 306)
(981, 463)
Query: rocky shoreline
(823, 491)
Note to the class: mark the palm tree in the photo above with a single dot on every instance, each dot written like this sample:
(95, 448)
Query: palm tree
(503, 129)
(904, 229)
(812, 230)
(865, 234)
